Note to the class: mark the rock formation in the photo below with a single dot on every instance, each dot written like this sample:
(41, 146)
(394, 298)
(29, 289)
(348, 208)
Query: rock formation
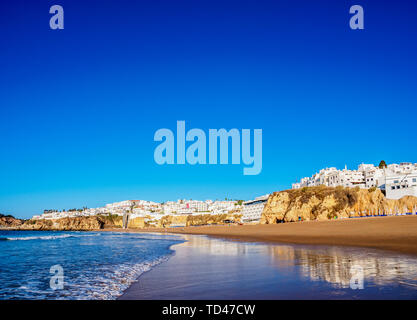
(112, 222)
(9, 221)
(322, 203)
(196, 220)
(74, 224)
(136, 223)
(205, 219)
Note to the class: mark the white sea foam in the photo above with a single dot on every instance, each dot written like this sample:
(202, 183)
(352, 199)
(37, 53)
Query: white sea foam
(105, 284)
(111, 284)
(49, 237)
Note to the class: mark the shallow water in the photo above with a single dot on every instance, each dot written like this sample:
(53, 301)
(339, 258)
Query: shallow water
(96, 265)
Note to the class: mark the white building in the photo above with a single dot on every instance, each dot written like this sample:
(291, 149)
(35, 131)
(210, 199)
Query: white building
(197, 206)
(373, 176)
(401, 183)
(140, 212)
(142, 208)
(127, 204)
(397, 180)
(185, 211)
(252, 210)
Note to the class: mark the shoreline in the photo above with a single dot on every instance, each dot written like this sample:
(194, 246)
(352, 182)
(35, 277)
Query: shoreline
(392, 233)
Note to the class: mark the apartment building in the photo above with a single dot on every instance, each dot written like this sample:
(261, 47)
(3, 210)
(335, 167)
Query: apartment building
(401, 183)
(252, 209)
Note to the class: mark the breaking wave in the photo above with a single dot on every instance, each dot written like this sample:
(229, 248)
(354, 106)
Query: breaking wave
(95, 265)
(46, 237)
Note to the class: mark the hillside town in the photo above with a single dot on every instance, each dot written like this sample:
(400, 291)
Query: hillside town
(155, 210)
(251, 211)
(394, 180)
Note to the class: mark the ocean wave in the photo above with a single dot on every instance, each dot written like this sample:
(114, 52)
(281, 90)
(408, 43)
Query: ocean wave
(118, 279)
(173, 238)
(107, 283)
(50, 237)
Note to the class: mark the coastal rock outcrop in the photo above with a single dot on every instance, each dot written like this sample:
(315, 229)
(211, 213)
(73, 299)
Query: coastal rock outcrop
(136, 223)
(206, 219)
(113, 222)
(73, 224)
(323, 203)
(9, 221)
(196, 220)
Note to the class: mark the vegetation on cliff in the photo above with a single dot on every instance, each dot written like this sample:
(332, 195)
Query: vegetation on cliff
(6, 216)
(382, 165)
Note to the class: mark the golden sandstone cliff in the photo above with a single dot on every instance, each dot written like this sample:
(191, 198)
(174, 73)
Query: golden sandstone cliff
(198, 220)
(113, 222)
(73, 224)
(9, 221)
(323, 203)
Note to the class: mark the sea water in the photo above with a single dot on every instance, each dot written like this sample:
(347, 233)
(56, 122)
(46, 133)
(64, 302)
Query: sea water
(95, 265)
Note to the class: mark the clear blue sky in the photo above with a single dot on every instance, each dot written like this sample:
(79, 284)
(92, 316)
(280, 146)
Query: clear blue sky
(79, 106)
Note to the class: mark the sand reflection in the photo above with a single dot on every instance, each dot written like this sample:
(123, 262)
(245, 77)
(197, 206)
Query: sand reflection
(318, 263)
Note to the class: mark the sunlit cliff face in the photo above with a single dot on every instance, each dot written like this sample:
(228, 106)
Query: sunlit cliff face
(324, 203)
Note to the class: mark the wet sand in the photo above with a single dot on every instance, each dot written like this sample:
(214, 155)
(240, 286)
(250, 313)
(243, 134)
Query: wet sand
(397, 233)
(211, 268)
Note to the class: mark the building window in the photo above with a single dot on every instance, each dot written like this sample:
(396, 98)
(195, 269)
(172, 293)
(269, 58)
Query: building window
(414, 180)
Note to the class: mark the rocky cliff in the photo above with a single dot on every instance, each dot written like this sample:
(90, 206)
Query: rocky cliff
(196, 220)
(205, 219)
(111, 222)
(136, 223)
(322, 203)
(9, 222)
(74, 224)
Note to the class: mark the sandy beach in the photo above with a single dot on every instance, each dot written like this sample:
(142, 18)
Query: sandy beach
(394, 233)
